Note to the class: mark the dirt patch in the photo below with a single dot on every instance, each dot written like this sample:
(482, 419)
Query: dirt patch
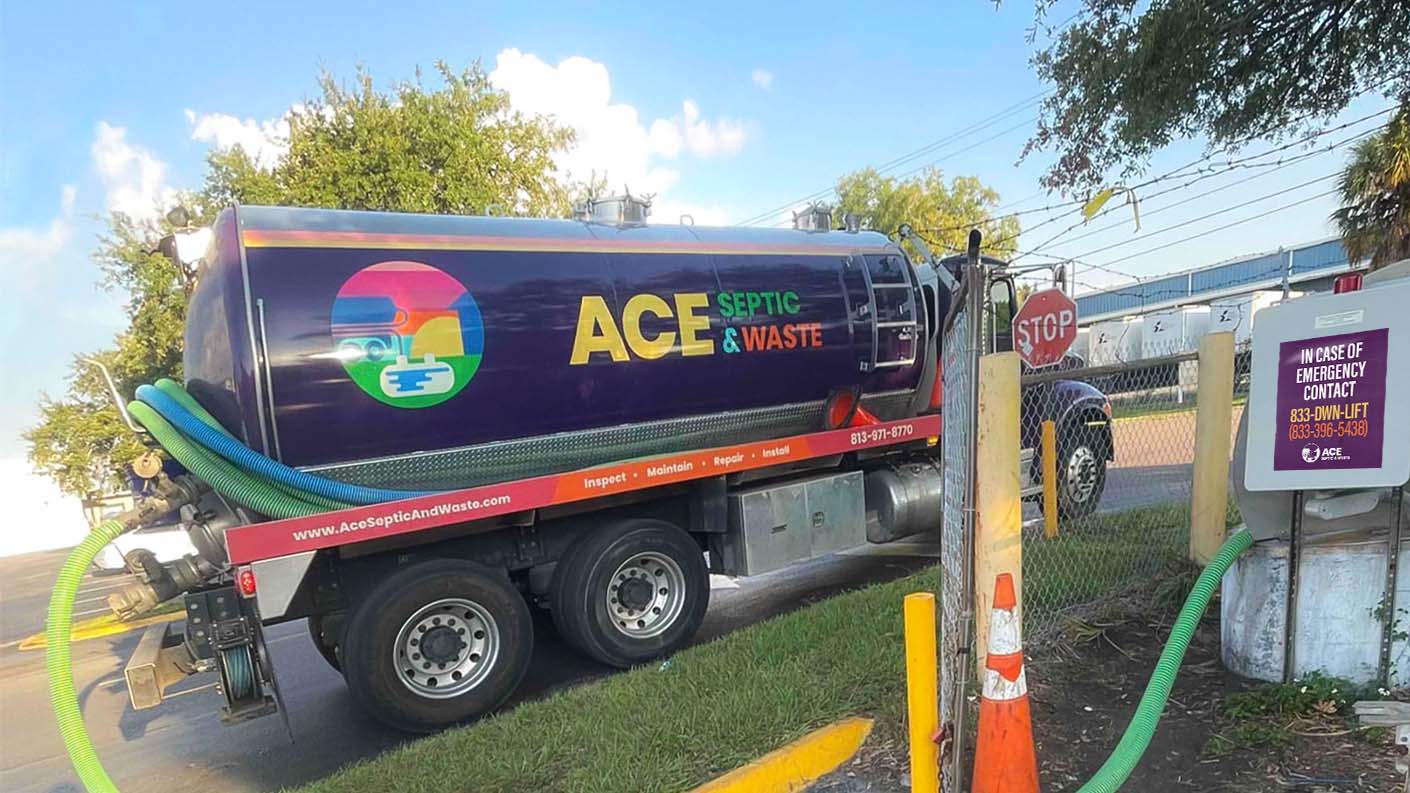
(1085, 683)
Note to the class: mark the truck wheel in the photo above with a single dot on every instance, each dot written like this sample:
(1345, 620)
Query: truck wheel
(629, 592)
(326, 645)
(1081, 473)
(437, 643)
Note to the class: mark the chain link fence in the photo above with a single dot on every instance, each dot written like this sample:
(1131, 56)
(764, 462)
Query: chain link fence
(1121, 436)
(959, 370)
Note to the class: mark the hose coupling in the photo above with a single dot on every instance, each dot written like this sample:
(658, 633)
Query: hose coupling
(161, 582)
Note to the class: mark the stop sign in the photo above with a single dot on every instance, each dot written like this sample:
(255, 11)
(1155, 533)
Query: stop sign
(1045, 327)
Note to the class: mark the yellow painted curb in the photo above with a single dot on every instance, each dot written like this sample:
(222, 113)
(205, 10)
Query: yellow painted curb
(98, 627)
(797, 765)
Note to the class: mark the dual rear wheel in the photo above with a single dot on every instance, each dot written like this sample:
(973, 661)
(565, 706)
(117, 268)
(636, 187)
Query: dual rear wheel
(442, 641)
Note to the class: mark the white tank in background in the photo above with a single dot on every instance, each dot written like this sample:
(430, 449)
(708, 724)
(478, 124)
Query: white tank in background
(1115, 341)
(1173, 331)
(1081, 346)
(1235, 314)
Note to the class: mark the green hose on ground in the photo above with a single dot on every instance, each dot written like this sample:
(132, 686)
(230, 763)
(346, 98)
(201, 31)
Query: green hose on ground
(1128, 752)
(58, 659)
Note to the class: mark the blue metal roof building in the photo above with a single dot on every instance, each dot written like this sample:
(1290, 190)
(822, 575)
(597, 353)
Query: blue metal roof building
(1313, 262)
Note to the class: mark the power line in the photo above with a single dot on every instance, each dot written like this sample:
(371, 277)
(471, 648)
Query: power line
(1208, 172)
(1232, 165)
(1207, 216)
(1196, 197)
(920, 152)
(1220, 228)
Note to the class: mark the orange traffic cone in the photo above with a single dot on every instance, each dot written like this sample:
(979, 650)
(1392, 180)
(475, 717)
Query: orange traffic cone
(1004, 758)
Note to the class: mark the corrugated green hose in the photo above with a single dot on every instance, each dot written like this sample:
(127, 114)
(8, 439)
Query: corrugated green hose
(174, 390)
(1123, 760)
(228, 480)
(58, 659)
(231, 482)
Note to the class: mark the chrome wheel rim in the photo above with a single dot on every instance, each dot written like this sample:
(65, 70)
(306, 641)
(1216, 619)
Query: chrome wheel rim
(446, 648)
(1081, 474)
(645, 595)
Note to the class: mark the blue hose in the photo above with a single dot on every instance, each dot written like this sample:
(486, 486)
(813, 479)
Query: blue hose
(259, 465)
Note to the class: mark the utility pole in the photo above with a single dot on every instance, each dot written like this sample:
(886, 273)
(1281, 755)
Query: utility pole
(1287, 271)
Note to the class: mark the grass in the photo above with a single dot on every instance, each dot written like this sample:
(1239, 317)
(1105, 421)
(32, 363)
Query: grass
(1100, 555)
(670, 726)
(715, 706)
(1138, 408)
(1263, 716)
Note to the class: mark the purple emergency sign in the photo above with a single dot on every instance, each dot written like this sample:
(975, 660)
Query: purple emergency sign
(1331, 402)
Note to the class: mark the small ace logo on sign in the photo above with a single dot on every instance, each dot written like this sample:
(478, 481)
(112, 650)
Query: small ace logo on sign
(1045, 327)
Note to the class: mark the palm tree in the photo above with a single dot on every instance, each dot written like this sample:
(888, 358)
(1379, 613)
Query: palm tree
(1375, 216)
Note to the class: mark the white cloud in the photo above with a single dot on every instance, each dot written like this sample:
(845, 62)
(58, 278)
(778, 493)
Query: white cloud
(27, 251)
(264, 141)
(134, 178)
(762, 78)
(704, 139)
(612, 138)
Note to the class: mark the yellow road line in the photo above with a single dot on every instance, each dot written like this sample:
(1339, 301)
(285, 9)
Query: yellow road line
(797, 765)
(98, 627)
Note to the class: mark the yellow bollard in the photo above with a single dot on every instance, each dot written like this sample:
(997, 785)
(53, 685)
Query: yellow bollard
(1050, 513)
(1214, 412)
(998, 520)
(922, 696)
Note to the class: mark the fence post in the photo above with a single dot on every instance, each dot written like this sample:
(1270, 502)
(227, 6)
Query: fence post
(998, 524)
(1050, 506)
(1214, 410)
(922, 696)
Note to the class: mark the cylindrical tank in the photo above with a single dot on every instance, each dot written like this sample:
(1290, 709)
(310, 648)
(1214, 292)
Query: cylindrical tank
(434, 351)
(1339, 611)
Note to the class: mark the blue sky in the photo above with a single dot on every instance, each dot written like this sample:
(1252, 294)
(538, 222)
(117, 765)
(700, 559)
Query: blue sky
(114, 105)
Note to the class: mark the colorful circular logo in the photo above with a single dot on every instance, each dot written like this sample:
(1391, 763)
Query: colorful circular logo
(407, 333)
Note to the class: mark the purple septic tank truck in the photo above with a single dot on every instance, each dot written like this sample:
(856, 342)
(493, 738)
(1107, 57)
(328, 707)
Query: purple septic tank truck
(617, 410)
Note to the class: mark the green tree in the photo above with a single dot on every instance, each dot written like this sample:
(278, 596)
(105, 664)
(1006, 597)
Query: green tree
(941, 213)
(1131, 77)
(1375, 188)
(457, 148)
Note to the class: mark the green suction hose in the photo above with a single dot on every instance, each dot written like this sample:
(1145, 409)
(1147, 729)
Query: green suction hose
(58, 659)
(58, 626)
(1113, 773)
(228, 480)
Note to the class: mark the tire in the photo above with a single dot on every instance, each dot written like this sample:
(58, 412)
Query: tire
(599, 609)
(481, 628)
(1081, 472)
(321, 641)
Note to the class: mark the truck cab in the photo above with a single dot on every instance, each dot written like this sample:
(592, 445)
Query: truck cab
(1080, 412)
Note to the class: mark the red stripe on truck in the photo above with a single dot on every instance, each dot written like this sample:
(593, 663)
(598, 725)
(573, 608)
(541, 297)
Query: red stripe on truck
(359, 524)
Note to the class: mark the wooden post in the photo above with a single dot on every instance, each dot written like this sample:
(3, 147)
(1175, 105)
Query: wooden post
(998, 524)
(1214, 410)
(922, 695)
(1050, 511)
